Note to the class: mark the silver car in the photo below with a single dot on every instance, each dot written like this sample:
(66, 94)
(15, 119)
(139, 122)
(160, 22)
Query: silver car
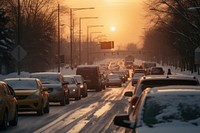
(57, 88)
(74, 89)
(114, 80)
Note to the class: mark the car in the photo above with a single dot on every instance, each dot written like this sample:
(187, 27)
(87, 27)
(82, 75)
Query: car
(156, 71)
(8, 106)
(160, 80)
(139, 71)
(114, 80)
(122, 74)
(136, 77)
(57, 88)
(167, 109)
(82, 84)
(91, 75)
(31, 94)
(74, 89)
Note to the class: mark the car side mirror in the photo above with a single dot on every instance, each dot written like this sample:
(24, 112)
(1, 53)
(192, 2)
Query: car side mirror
(128, 94)
(122, 121)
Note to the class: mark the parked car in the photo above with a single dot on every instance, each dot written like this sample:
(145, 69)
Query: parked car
(114, 80)
(74, 89)
(91, 75)
(30, 94)
(8, 106)
(156, 71)
(168, 109)
(160, 80)
(82, 84)
(57, 88)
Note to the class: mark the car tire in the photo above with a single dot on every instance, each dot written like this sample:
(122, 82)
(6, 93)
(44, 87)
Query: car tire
(85, 95)
(4, 124)
(63, 101)
(46, 109)
(41, 110)
(15, 119)
(99, 88)
(67, 99)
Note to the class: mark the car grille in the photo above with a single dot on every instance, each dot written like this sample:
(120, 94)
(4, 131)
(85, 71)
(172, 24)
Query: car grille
(21, 97)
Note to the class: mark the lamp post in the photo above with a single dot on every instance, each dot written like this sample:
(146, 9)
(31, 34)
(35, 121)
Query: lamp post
(80, 19)
(18, 36)
(71, 30)
(88, 27)
(58, 37)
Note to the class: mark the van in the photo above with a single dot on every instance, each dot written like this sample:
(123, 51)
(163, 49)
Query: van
(91, 75)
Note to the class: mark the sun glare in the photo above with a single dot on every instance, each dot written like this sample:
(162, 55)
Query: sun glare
(113, 28)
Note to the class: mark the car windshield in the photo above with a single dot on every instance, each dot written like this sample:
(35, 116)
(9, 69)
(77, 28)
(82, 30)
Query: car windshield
(78, 79)
(47, 78)
(22, 84)
(70, 80)
(172, 107)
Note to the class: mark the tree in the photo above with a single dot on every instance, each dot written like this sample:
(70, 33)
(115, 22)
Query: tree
(38, 31)
(6, 43)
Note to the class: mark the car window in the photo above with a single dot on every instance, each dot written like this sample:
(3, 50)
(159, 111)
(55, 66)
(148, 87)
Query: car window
(171, 107)
(23, 84)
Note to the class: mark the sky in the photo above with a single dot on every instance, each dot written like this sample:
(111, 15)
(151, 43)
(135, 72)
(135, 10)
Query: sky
(126, 17)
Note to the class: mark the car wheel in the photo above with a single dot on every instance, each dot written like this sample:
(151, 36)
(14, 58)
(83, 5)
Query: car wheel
(99, 88)
(41, 110)
(4, 124)
(120, 85)
(63, 101)
(46, 109)
(67, 99)
(15, 119)
(85, 95)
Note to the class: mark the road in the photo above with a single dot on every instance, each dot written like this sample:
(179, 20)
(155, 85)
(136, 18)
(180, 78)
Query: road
(88, 115)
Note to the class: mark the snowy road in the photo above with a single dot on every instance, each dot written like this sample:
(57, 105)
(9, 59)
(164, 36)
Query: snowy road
(88, 115)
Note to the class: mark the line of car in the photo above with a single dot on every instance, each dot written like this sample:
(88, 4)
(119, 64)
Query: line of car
(162, 103)
(36, 92)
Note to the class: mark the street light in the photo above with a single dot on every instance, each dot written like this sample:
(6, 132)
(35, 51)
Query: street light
(71, 29)
(88, 27)
(81, 18)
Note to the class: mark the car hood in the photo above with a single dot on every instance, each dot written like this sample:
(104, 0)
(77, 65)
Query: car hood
(25, 92)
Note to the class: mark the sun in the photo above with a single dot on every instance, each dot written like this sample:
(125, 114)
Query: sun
(113, 28)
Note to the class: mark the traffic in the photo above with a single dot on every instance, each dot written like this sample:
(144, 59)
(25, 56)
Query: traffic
(97, 95)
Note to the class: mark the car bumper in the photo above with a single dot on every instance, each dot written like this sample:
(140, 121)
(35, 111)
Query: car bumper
(29, 105)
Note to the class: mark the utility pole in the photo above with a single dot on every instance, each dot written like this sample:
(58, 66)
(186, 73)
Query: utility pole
(71, 37)
(18, 37)
(58, 37)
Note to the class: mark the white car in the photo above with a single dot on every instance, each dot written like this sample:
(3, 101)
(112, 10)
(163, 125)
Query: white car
(168, 109)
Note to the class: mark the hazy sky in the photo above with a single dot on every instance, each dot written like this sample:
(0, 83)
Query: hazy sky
(126, 15)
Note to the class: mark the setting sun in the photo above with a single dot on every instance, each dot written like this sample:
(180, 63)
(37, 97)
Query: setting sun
(113, 28)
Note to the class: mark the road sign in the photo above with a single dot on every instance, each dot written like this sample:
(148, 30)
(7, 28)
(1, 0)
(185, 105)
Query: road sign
(19, 53)
(107, 45)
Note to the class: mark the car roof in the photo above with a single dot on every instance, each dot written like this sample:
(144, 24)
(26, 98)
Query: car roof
(174, 88)
(69, 76)
(46, 73)
(87, 66)
(171, 77)
(33, 79)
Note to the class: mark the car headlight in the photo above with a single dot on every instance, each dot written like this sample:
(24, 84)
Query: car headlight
(35, 95)
(81, 86)
(74, 90)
